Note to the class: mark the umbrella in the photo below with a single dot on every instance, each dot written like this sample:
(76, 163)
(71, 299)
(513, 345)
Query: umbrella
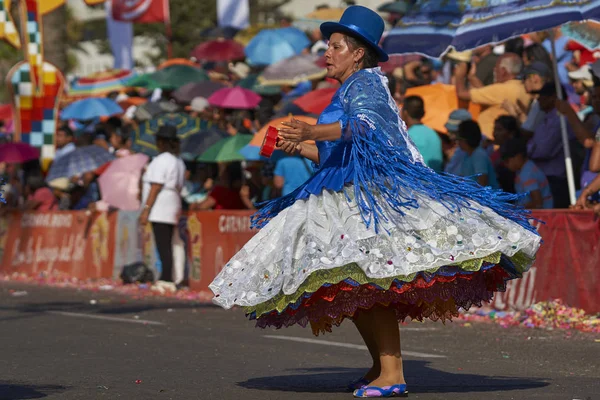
(292, 71)
(150, 110)
(86, 109)
(5, 112)
(225, 32)
(235, 97)
(198, 143)
(18, 152)
(251, 82)
(188, 92)
(226, 150)
(169, 78)
(100, 83)
(586, 33)
(246, 35)
(316, 101)
(219, 50)
(398, 61)
(396, 7)
(177, 61)
(272, 45)
(143, 135)
(432, 26)
(79, 161)
(119, 183)
(314, 19)
(259, 137)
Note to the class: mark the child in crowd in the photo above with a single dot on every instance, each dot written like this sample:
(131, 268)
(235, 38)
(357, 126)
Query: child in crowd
(530, 181)
(476, 161)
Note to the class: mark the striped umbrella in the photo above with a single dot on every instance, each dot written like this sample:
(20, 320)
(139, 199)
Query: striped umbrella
(79, 161)
(100, 84)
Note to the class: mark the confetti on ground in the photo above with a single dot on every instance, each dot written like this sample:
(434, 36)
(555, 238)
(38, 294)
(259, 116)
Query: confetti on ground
(136, 291)
(545, 315)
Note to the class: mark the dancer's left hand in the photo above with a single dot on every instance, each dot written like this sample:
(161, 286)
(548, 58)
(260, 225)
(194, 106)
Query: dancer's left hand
(296, 131)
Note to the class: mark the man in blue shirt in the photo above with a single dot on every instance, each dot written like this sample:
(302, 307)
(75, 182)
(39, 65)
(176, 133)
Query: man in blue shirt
(426, 139)
(290, 173)
(529, 180)
(476, 162)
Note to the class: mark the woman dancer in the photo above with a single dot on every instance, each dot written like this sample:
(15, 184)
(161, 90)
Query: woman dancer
(374, 236)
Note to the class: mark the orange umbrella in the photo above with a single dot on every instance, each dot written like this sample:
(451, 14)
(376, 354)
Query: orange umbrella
(257, 140)
(132, 101)
(177, 61)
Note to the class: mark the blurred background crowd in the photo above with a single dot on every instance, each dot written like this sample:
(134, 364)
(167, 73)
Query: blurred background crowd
(498, 119)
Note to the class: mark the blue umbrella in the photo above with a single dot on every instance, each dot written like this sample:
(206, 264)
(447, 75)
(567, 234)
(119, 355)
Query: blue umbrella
(273, 45)
(79, 161)
(91, 108)
(433, 25)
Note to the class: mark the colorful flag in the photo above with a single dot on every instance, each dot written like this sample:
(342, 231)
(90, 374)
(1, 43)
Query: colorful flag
(234, 13)
(140, 11)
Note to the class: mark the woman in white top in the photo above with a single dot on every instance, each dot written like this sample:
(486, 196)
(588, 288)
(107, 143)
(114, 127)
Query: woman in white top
(161, 197)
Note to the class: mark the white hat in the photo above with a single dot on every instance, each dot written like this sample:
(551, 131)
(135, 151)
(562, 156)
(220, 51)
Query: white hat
(582, 74)
(240, 69)
(62, 184)
(199, 104)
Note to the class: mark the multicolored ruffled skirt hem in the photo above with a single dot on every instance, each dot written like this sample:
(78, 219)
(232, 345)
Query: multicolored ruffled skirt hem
(325, 301)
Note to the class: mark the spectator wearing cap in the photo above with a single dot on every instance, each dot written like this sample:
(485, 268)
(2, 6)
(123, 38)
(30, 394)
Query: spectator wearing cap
(455, 155)
(426, 139)
(530, 181)
(507, 86)
(545, 148)
(582, 82)
(477, 163)
(535, 76)
(200, 108)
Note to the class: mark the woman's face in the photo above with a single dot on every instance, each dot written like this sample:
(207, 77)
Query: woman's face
(339, 58)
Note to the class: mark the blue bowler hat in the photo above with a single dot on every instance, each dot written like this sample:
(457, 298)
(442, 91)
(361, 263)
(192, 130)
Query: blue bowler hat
(361, 22)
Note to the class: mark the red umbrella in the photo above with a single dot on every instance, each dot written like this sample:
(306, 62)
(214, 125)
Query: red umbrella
(18, 152)
(235, 97)
(316, 101)
(219, 50)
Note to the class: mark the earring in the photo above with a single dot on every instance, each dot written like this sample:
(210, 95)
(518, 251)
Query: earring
(356, 67)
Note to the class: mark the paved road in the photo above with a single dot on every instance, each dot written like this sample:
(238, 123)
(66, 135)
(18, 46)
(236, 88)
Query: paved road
(57, 345)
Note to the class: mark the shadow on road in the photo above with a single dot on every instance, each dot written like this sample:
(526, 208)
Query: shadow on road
(420, 379)
(19, 391)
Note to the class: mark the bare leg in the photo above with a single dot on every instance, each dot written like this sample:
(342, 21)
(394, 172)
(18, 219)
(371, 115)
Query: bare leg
(364, 324)
(387, 336)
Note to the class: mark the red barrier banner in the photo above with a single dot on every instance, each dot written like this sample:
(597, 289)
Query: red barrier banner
(76, 243)
(567, 265)
(214, 237)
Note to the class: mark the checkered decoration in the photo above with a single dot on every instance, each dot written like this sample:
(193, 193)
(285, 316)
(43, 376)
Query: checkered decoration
(34, 44)
(8, 30)
(38, 112)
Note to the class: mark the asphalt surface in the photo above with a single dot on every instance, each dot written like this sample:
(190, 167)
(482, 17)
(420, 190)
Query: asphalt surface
(69, 344)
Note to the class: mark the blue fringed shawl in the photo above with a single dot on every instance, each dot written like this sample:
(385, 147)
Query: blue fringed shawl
(378, 157)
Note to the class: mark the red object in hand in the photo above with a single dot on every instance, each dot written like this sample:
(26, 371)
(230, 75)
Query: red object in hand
(269, 142)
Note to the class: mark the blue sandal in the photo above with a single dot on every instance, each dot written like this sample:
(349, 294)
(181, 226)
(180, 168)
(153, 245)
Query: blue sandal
(359, 384)
(386, 391)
